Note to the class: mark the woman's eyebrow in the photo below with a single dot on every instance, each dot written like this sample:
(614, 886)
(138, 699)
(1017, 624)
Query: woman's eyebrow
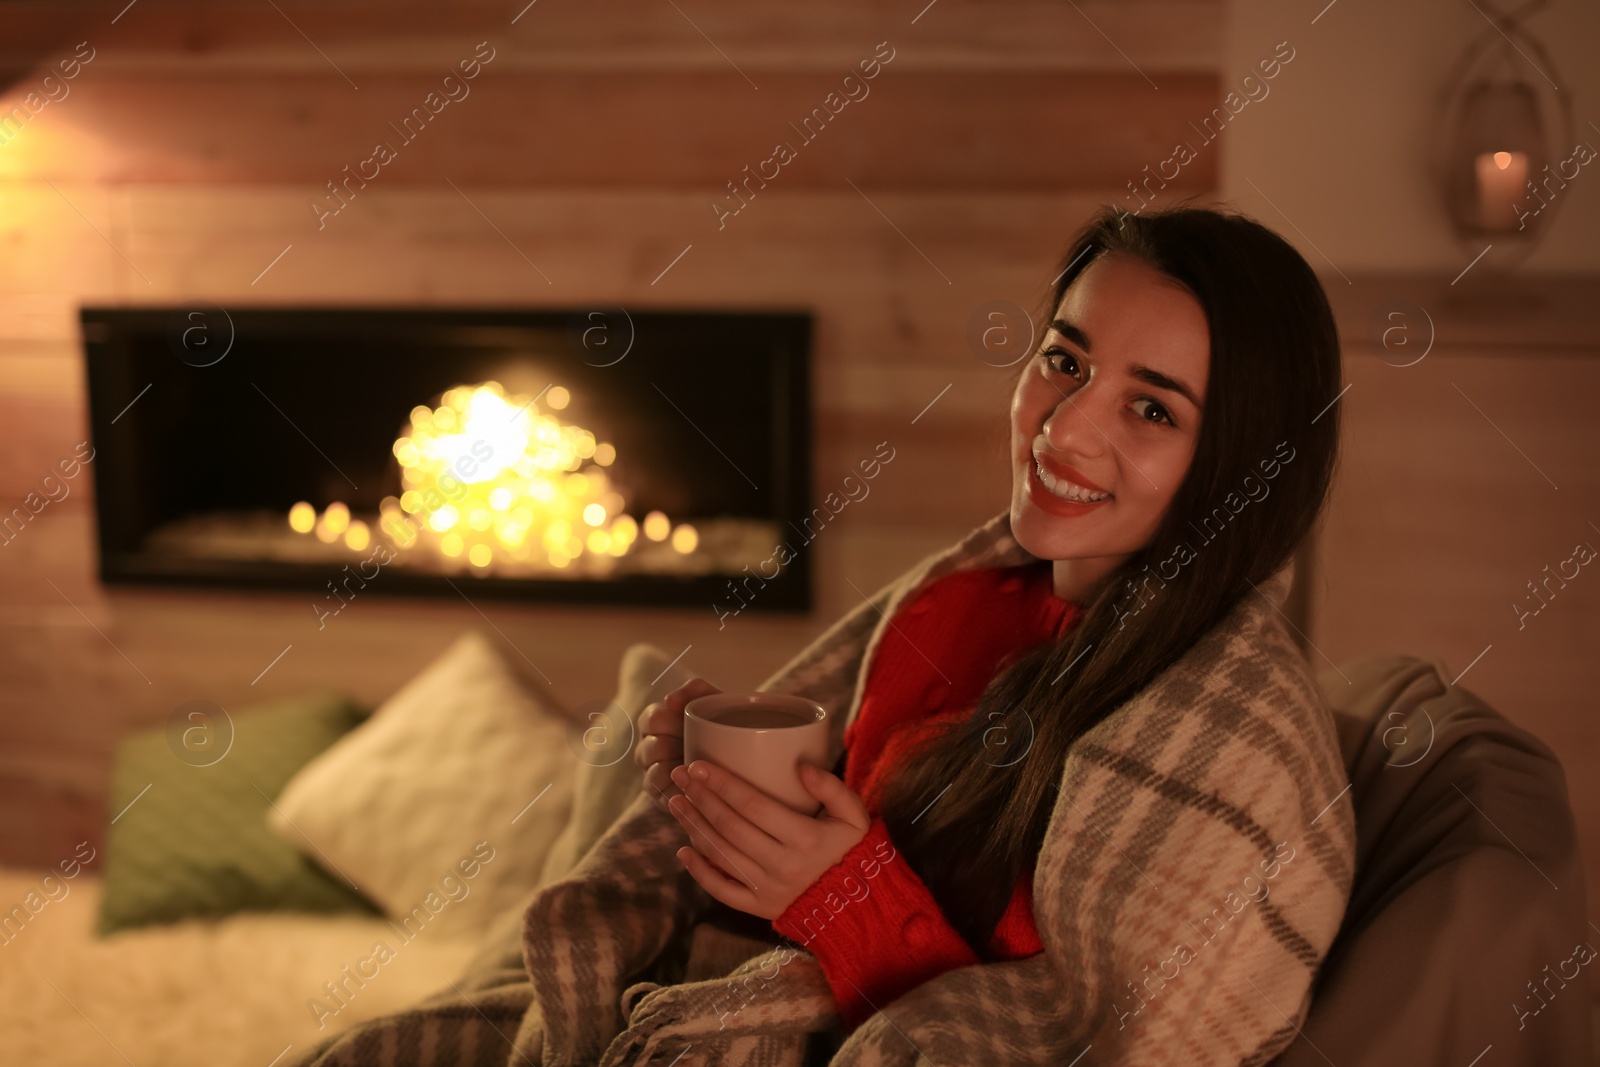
(1162, 381)
(1071, 333)
(1148, 375)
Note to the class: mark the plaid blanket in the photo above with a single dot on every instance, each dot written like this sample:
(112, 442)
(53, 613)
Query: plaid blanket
(1197, 864)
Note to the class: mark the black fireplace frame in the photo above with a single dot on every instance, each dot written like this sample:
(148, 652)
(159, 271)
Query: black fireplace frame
(118, 368)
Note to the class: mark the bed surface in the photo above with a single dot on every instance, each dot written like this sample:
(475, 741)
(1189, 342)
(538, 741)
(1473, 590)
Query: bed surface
(208, 993)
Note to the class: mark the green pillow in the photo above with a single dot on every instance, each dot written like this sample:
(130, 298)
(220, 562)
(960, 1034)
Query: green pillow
(196, 842)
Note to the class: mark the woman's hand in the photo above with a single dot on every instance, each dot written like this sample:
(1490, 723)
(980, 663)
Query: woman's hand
(752, 852)
(661, 747)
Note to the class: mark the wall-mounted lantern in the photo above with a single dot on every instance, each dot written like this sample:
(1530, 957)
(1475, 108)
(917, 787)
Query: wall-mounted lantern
(1505, 137)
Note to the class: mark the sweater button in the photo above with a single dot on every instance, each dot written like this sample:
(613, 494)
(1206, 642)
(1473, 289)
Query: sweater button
(1011, 585)
(914, 931)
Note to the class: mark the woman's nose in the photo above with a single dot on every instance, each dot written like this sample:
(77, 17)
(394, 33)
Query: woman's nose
(1079, 424)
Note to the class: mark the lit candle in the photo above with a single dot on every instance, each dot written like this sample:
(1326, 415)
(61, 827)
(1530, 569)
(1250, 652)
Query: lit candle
(1502, 177)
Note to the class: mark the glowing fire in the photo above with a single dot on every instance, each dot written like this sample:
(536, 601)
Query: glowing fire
(490, 477)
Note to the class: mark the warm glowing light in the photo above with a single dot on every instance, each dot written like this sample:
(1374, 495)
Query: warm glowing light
(302, 517)
(403, 534)
(337, 517)
(481, 436)
(1502, 178)
(443, 519)
(496, 476)
(357, 537)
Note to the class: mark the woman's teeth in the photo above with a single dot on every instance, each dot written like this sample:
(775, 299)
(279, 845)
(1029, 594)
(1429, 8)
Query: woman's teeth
(1067, 490)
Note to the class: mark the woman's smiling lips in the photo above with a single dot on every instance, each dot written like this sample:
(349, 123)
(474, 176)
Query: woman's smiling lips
(1057, 495)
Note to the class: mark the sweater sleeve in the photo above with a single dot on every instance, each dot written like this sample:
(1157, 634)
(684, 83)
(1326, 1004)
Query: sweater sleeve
(874, 927)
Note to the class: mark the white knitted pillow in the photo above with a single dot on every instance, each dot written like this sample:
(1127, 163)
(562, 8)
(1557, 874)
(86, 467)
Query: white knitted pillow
(425, 807)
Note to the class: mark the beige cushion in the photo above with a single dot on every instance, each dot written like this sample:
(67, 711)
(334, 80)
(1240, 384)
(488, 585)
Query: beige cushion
(426, 806)
(603, 786)
(607, 777)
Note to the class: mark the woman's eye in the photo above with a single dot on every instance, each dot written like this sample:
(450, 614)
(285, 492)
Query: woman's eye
(1161, 413)
(1068, 364)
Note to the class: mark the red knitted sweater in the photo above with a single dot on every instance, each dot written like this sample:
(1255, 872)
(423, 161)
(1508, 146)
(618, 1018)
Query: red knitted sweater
(871, 922)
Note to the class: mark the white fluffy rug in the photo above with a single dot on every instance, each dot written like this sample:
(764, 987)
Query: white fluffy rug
(210, 994)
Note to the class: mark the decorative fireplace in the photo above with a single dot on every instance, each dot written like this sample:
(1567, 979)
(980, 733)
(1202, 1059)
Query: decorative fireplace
(562, 456)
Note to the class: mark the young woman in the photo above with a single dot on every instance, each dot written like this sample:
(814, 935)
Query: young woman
(1187, 356)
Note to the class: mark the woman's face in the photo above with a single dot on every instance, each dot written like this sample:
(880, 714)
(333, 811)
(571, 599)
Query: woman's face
(1109, 406)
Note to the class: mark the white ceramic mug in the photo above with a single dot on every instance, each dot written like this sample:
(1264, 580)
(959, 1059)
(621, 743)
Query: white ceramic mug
(758, 745)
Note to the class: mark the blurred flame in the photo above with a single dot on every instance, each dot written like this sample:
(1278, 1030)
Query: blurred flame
(519, 482)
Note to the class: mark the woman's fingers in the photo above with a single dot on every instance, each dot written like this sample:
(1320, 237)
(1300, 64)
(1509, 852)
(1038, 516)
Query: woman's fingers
(733, 827)
(659, 785)
(640, 756)
(776, 819)
(694, 687)
(679, 698)
(838, 800)
(661, 718)
(664, 718)
(661, 748)
(709, 843)
(715, 882)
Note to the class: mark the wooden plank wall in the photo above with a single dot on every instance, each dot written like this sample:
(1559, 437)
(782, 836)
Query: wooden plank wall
(1462, 477)
(582, 165)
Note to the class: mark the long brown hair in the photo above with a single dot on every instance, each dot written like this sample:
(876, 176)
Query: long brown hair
(969, 817)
